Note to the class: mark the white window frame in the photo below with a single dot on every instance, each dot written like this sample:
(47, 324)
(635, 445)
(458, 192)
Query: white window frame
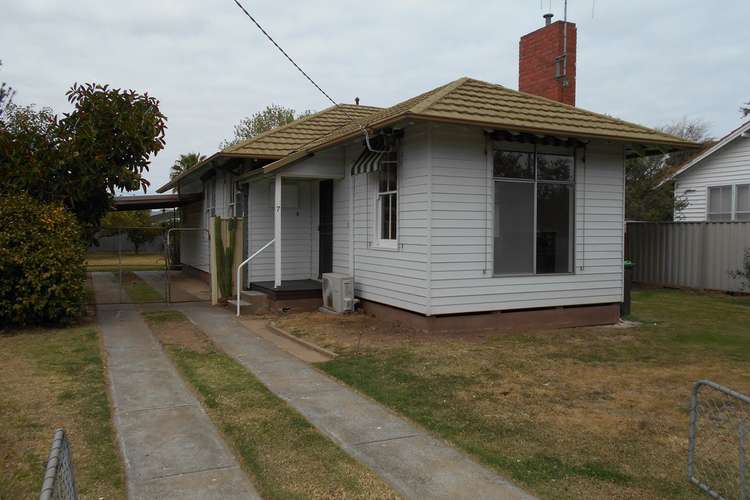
(736, 203)
(210, 200)
(732, 199)
(536, 181)
(232, 203)
(380, 242)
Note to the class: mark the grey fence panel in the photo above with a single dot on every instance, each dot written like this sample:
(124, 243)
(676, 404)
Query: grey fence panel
(688, 254)
(59, 481)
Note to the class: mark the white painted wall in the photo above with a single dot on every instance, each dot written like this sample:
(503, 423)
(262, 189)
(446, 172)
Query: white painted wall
(443, 261)
(729, 165)
(298, 258)
(461, 231)
(194, 244)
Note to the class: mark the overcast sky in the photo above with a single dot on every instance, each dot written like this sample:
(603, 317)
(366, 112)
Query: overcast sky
(651, 62)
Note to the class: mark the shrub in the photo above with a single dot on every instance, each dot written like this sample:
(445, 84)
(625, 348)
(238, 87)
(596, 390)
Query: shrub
(42, 276)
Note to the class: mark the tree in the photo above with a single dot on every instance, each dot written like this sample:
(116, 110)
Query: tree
(645, 200)
(135, 224)
(271, 117)
(80, 160)
(184, 163)
(6, 96)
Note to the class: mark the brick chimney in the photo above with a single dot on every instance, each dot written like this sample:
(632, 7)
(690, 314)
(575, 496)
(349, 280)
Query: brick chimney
(547, 61)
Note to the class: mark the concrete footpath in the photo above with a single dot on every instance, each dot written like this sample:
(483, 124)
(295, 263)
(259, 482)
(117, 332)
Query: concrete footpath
(170, 446)
(413, 462)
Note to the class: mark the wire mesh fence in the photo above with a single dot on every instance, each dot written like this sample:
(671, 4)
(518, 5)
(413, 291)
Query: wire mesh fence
(59, 478)
(719, 435)
(134, 265)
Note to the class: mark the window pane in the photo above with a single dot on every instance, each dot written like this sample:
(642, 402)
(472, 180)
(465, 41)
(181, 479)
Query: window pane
(385, 215)
(743, 216)
(743, 198)
(720, 199)
(720, 217)
(393, 215)
(554, 167)
(514, 228)
(513, 165)
(554, 228)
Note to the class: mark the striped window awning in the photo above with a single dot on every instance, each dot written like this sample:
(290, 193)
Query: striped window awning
(367, 162)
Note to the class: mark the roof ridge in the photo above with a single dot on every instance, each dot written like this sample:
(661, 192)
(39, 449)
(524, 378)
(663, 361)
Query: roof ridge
(443, 91)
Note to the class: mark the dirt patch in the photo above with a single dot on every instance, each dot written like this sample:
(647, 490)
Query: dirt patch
(173, 329)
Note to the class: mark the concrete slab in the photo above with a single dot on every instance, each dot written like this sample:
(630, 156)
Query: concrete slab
(216, 484)
(412, 461)
(170, 446)
(168, 441)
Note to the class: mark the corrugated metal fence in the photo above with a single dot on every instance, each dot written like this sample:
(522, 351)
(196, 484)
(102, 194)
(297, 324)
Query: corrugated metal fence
(687, 254)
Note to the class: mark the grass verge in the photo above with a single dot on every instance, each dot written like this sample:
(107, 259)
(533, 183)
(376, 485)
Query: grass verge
(138, 290)
(575, 413)
(55, 378)
(110, 261)
(285, 455)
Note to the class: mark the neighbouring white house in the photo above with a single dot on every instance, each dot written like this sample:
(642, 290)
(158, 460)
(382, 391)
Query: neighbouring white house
(716, 183)
(469, 199)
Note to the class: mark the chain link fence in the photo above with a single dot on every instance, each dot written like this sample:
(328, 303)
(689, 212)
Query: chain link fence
(59, 478)
(719, 435)
(135, 265)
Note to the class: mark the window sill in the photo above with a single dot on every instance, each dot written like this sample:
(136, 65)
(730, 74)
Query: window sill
(386, 245)
(532, 275)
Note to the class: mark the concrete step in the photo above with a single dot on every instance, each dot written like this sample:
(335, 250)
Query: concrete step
(252, 302)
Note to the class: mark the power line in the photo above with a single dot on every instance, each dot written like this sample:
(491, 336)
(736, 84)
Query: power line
(343, 108)
(284, 52)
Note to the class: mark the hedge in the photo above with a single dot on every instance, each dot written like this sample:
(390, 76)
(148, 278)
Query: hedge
(42, 273)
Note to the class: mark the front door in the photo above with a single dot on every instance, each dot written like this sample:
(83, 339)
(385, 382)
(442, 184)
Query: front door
(325, 228)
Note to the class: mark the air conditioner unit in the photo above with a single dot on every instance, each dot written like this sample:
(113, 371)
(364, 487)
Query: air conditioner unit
(338, 292)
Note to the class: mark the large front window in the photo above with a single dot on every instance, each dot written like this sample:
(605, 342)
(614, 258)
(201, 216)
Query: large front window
(387, 202)
(534, 212)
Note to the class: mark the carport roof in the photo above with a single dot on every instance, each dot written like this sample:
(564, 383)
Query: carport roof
(150, 201)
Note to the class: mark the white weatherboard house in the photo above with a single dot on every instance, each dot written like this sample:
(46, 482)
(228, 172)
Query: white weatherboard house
(716, 183)
(470, 198)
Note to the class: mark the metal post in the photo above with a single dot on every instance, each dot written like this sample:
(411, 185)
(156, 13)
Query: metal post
(743, 460)
(693, 423)
(166, 268)
(119, 265)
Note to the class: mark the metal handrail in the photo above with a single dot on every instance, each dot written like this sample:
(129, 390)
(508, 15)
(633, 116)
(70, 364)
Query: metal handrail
(244, 263)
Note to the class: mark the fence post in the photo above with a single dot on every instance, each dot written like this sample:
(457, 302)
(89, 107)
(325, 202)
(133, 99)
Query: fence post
(119, 266)
(743, 461)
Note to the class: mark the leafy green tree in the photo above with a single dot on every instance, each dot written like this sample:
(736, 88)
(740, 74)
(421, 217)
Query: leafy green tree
(645, 199)
(271, 117)
(184, 163)
(82, 158)
(135, 224)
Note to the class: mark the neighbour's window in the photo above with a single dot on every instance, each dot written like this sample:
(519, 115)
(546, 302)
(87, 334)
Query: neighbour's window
(720, 203)
(232, 205)
(210, 199)
(534, 212)
(387, 200)
(742, 205)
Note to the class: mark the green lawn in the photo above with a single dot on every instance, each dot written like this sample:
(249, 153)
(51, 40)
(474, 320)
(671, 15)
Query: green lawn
(284, 454)
(576, 413)
(111, 261)
(55, 378)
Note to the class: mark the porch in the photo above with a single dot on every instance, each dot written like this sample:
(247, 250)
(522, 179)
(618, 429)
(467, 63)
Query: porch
(289, 289)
